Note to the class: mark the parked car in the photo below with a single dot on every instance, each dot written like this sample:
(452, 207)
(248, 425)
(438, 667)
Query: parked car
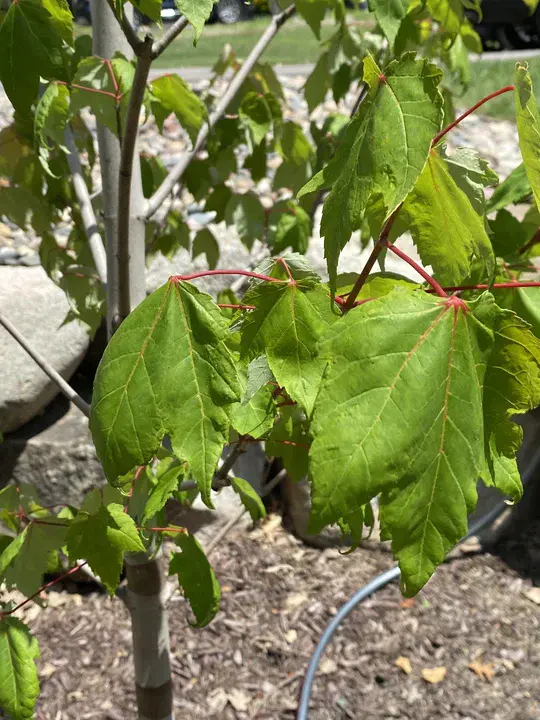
(225, 11)
(507, 24)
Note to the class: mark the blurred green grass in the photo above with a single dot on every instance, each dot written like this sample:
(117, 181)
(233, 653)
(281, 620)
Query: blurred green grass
(296, 44)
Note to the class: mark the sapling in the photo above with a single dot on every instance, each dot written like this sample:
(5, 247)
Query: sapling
(372, 385)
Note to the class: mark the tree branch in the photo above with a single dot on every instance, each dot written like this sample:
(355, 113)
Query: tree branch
(129, 142)
(166, 39)
(87, 211)
(47, 368)
(127, 28)
(178, 170)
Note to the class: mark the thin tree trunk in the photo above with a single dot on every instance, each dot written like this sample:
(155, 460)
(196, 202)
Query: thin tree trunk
(145, 577)
(108, 38)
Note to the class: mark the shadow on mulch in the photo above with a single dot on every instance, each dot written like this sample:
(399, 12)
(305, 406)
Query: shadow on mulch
(278, 596)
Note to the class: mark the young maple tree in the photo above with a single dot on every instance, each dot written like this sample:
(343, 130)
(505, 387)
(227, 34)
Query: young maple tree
(370, 384)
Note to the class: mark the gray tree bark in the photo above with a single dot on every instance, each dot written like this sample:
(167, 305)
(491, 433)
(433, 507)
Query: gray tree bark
(145, 577)
(108, 38)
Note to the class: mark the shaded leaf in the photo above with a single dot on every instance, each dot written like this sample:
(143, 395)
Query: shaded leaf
(205, 243)
(101, 536)
(30, 48)
(258, 375)
(255, 416)
(508, 235)
(528, 125)
(313, 12)
(196, 578)
(171, 94)
(52, 114)
(250, 499)
(389, 15)
(290, 440)
(167, 370)
(289, 226)
(165, 486)
(218, 201)
(514, 189)
(318, 83)
(247, 214)
(257, 116)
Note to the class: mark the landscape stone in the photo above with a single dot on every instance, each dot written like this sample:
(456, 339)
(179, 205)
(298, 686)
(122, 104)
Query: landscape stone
(37, 308)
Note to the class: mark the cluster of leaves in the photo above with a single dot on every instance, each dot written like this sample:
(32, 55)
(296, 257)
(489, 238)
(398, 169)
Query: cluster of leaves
(402, 395)
(37, 540)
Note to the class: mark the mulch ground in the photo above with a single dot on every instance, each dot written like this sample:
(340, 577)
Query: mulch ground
(278, 595)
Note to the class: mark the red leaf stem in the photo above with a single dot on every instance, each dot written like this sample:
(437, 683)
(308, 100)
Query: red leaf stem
(206, 273)
(372, 259)
(236, 307)
(164, 529)
(437, 138)
(495, 286)
(73, 570)
(112, 76)
(281, 261)
(420, 270)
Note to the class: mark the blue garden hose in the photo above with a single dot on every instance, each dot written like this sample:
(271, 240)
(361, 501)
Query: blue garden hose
(376, 584)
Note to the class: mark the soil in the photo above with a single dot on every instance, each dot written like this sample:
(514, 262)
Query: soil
(278, 596)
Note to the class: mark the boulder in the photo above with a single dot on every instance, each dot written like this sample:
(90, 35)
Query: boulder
(55, 453)
(37, 308)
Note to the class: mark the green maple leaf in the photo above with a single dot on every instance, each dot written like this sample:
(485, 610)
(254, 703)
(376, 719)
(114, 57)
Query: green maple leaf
(400, 413)
(196, 578)
(383, 151)
(101, 537)
(197, 13)
(389, 15)
(438, 207)
(247, 215)
(526, 302)
(515, 189)
(290, 440)
(528, 125)
(52, 114)
(318, 83)
(171, 94)
(30, 47)
(31, 560)
(150, 8)
(205, 243)
(166, 371)
(286, 326)
(511, 383)
(258, 375)
(19, 684)
(250, 499)
(166, 483)
(313, 12)
(257, 116)
(255, 416)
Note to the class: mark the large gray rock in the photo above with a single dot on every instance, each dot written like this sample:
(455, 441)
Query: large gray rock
(55, 453)
(37, 308)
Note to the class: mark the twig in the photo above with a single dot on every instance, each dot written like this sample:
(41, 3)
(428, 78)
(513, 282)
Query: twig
(88, 216)
(178, 170)
(212, 545)
(166, 39)
(378, 248)
(206, 273)
(144, 61)
(47, 368)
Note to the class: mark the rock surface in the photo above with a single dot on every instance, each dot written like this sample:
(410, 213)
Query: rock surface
(37, 308)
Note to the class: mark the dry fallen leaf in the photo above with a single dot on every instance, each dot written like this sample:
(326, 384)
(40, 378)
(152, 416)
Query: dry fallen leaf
(483, 670)
(533, 594)
(239, 700)
(328, 666)
(434, 675)
(403, 663)
(295, 600)
(291, 636)
(408, 603)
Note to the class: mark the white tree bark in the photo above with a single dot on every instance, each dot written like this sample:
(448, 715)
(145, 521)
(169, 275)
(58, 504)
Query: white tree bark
(108, 38)
(145, 577)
